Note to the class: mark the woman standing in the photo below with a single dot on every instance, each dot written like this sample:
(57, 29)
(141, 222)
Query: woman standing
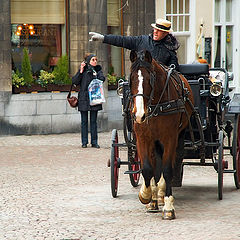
(88, 71)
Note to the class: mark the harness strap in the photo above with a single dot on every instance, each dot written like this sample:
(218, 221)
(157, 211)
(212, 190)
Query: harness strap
(170, 107)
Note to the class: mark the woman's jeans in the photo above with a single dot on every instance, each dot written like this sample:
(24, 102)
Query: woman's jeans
(93, 127)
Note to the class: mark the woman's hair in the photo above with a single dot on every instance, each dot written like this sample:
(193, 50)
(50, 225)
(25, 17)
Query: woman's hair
(88, 57)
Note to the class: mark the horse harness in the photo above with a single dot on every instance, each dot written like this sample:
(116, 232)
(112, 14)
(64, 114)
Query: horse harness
(171, 106)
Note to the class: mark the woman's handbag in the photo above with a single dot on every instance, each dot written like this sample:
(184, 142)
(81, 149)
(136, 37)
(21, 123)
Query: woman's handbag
(73, 101)
(95, 91)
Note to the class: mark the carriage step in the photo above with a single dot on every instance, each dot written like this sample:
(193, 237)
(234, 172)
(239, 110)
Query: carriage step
(132, 172)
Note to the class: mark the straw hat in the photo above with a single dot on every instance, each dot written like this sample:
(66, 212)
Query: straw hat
(162, 25)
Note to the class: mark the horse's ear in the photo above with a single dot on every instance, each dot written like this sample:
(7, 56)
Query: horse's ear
(133, 56)
(148, 57)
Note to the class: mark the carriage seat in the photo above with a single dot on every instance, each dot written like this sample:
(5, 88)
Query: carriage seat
(194, 69)
(197, 76)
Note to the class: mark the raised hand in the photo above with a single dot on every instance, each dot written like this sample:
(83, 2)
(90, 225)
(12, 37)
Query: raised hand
(96, 36)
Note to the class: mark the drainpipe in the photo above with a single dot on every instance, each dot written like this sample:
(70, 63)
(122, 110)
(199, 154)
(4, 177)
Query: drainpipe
(122, 50)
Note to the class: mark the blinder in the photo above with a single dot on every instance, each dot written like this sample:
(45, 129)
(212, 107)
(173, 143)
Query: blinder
(170, 107)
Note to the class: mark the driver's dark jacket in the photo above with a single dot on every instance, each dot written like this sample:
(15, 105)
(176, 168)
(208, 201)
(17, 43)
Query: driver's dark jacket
(163, 51)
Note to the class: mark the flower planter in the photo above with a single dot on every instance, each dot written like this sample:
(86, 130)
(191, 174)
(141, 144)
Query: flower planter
(61, 88)
(112, 87)
(32, 88)
(39, 88)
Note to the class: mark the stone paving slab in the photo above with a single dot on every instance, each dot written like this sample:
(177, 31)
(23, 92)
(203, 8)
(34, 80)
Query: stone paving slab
(51, 188)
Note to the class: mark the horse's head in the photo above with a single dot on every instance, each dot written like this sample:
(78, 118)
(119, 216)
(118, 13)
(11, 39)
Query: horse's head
(141, 83)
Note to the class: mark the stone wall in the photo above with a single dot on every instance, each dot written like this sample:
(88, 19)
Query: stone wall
(41, 113)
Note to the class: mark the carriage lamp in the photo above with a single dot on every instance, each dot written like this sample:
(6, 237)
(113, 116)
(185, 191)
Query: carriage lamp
(120, 91)
(216, 89)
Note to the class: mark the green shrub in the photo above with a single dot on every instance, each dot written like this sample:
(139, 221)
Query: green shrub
(61, 71)
(26, 68)
(45, 78)
(17, 80)
(112, 79)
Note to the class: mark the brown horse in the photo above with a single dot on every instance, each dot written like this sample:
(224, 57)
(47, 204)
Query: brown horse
(161, 105)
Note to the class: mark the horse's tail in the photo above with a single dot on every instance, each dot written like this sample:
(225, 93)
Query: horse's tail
(159, 149)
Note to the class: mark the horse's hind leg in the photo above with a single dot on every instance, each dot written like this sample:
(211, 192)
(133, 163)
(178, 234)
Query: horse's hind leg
(153, 205)
(161, 191)
(168, 210)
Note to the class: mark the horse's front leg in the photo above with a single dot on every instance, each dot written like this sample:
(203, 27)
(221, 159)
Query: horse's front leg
(145, 194)
(168, 211)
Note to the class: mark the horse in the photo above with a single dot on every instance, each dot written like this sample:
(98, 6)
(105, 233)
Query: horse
(161, 104)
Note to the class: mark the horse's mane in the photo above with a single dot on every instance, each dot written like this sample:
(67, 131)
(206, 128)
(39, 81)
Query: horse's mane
(149, 66)
(141, 63)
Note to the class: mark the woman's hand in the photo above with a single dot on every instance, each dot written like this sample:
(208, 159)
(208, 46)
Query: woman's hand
(83, 64)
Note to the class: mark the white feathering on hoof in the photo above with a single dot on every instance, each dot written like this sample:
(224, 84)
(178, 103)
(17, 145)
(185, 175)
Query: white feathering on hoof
(154, 189)
(161, 187)
(145, 192)
(168, 206)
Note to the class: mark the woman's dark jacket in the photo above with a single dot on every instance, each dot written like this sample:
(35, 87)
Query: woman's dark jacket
(83, 79)
(163, 51)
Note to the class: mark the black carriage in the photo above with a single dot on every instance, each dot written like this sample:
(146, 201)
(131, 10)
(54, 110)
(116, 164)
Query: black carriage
(204, 140)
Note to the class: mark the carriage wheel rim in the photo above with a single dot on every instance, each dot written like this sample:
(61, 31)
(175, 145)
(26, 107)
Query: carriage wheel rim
(114, 163)
(116, 169)
(220, 166)
(236, 150)
(238, 153)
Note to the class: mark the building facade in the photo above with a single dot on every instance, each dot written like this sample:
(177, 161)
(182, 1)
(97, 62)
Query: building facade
(206, 29)
(50, 29)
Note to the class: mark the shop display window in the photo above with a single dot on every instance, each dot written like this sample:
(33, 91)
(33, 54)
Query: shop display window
(43, 42)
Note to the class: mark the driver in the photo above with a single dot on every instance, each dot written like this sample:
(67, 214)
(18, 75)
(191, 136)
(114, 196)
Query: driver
(161, 43)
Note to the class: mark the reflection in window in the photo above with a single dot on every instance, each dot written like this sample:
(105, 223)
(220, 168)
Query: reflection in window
(217, 50)
(229, 10)
(229, 48)
(44, 45)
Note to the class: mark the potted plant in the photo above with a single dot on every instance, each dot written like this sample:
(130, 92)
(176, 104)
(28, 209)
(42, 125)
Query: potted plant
(61, 76)
(112, 81)
(45, 78)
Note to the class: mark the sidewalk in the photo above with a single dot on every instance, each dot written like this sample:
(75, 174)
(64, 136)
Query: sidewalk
(53, 189)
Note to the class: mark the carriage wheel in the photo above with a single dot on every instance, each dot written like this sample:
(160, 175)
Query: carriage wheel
(134, 178)
(220, 165)
(236, 150)
(114, 163)
(134, 162)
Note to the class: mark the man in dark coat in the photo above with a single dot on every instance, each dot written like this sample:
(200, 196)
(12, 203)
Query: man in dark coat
(161, 43)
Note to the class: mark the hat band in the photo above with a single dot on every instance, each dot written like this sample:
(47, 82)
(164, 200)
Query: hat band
(162, 27)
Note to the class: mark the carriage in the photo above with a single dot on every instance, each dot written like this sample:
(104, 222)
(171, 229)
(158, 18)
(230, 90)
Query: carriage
(208, 136)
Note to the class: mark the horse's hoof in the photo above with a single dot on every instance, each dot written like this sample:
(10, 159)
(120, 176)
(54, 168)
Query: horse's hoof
(143, 200)
(168, 214)
(153, 206)
(161, 201)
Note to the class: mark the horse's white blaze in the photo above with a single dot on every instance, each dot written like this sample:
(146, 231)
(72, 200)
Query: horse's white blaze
(139, 99)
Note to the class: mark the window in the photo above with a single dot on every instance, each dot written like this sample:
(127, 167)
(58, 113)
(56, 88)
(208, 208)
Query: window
(223, 34)
(177, 11)
(43, 42)
(39, 26)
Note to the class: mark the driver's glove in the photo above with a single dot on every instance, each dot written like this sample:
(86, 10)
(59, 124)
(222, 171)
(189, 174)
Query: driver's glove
(96, 36)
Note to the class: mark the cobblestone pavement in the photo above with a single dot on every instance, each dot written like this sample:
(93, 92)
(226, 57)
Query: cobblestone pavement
(51, 188)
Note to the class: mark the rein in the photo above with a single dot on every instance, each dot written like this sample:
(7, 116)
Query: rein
(165, 108)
